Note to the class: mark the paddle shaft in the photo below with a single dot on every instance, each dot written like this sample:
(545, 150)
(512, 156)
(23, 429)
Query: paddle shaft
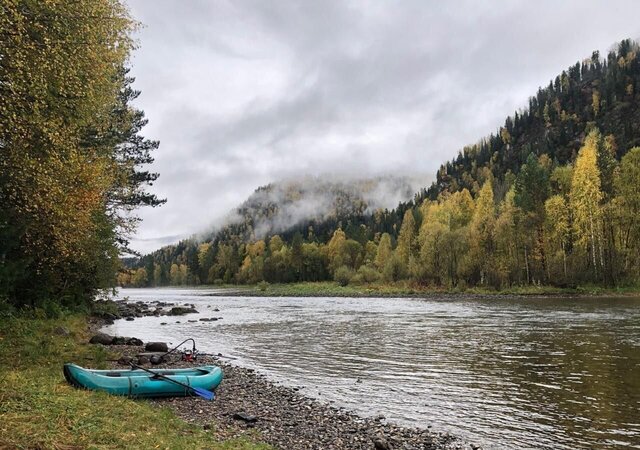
(159, 375)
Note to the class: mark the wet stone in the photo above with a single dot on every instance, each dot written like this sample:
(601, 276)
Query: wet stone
(245, 417)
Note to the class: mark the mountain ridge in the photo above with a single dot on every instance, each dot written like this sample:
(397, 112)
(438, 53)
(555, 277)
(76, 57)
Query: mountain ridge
(594, 103)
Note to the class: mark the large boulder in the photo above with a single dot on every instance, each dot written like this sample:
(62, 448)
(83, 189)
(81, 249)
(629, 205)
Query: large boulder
(181, 310)
(156, 347)
(101, 338)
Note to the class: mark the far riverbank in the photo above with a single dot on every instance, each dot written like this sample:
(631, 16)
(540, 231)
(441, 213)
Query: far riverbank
(406, 290)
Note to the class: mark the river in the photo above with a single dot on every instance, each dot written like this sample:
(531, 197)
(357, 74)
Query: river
(500, 372)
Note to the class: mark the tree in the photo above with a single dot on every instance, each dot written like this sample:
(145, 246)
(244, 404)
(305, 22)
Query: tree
(140, 278)
(433, 249)
(627, 203)
(384, 251)
(531, 191)
(131, 151)
(507, 241)
(297, 257)
(335, 250)
(370, 253)
(406, 238)
(157, 275)
(175, 275)
(71, 153)
(482, 229)
(275, 243)
(586, 196)
(558, 229)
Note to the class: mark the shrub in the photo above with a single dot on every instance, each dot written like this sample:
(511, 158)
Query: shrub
(343, 275)
(368, 274)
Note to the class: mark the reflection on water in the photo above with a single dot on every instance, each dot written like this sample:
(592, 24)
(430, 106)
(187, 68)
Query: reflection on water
(554, 373)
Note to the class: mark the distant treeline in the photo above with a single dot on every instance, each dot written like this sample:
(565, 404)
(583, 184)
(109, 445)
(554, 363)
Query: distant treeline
(70, 150)
(552, 198)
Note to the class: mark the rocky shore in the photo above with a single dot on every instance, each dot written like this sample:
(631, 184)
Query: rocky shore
(247, 402)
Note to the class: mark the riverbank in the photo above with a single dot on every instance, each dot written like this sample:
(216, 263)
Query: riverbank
(38, 409)
(407, 290)
(247, 404)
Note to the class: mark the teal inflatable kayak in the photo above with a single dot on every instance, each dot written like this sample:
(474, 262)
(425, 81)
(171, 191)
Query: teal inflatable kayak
(138, 383)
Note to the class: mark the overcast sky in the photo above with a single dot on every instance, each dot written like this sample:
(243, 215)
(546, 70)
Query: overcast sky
(242, 93)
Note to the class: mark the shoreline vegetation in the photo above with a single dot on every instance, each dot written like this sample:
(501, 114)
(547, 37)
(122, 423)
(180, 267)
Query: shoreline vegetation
(39, 409)
(404, 290)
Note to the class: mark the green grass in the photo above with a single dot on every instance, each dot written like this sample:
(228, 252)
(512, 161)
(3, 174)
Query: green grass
(38, 409)
(333, 289)
(407, 289)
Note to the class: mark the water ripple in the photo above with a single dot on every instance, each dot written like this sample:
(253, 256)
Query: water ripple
(532, 373)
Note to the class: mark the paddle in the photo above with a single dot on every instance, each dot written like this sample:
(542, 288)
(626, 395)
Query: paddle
(208, 395)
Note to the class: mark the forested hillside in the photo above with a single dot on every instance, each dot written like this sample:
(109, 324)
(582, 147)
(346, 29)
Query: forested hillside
(552, 198)
(311, 207)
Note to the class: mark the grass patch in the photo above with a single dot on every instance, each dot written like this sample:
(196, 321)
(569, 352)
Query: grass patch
(38, 409)
(408, 289)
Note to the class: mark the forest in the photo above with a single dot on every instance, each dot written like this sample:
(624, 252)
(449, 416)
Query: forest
(551, 198)
(72, 166)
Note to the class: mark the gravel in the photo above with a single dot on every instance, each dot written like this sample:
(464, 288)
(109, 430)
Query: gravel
(247, 402)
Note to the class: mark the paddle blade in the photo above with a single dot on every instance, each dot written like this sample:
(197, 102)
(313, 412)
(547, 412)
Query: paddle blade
(203, 393)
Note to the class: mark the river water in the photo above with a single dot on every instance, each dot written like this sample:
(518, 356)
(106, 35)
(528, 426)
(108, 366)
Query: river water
(503, 373)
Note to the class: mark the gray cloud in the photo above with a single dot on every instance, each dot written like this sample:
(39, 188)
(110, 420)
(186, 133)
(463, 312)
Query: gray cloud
(244, 93)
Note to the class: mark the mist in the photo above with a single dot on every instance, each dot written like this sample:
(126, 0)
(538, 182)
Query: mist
(243, 94)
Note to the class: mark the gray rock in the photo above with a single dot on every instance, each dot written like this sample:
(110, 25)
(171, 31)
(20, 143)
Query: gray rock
(156, 347)
(181, 310)
(125, 360)
(241, 415)
(119, 340)
(380, 443)
(134, 341)
(101, 338)
(143, 360)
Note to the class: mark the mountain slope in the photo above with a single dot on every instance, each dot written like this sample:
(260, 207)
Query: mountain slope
(592, 93)
(550, 198)
(313, 207)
